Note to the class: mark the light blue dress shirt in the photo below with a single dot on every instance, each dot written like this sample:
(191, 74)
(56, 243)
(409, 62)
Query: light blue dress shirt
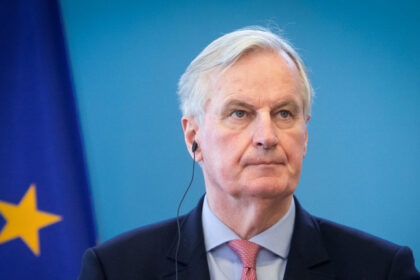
(224, 264)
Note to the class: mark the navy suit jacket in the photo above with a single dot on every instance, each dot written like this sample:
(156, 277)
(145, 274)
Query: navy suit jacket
(319, 250)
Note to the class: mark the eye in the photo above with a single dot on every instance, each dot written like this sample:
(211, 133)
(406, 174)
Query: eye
(239, 114)
(284, 114)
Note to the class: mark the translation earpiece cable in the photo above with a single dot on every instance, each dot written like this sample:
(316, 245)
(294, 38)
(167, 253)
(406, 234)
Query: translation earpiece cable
(177, 217)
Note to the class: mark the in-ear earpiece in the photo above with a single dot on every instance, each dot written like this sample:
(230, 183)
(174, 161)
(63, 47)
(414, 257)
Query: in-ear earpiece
(193, 149)
(194, 146)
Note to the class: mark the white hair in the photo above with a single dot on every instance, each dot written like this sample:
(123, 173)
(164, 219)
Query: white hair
(194, 85)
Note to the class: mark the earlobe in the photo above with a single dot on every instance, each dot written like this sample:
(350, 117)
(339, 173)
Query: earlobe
(191, 128)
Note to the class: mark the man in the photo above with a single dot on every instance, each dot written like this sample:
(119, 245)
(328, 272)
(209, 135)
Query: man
(246, 100)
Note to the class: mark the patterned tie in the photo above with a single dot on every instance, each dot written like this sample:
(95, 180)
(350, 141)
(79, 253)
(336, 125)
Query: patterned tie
(247, 251)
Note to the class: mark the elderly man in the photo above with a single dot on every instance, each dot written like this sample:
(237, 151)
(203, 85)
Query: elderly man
(246, 100)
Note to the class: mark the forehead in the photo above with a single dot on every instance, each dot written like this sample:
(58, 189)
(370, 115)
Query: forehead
(261, 77)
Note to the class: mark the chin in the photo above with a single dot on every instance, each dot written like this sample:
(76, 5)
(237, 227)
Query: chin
(267, 187)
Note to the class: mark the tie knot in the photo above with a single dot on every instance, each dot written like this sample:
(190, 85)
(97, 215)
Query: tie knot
(246, 250)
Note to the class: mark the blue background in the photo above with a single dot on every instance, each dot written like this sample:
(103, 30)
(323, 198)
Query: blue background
(362, 165)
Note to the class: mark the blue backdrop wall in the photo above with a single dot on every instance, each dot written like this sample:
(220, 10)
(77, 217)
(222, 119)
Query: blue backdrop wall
(362, 167)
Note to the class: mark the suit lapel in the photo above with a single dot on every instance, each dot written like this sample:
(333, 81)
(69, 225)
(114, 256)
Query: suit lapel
(192, 258)
(308, 259)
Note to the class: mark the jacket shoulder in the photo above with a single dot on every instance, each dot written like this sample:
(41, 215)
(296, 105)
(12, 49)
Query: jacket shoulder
(151, 239)
(140, 253)
(341, 236)
(372, 255)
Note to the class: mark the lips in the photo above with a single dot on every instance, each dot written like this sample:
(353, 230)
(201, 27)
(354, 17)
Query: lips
(264, 162)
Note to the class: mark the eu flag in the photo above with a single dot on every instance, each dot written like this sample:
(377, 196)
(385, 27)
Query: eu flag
(45, 214)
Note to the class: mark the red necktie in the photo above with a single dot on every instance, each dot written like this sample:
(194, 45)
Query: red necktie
(247, 251)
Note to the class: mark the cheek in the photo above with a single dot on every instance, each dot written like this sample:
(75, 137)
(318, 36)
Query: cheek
(223, 150)
(213, 151)
(294, 146)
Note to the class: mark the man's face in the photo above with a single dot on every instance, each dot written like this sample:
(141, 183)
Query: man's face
(253, 136)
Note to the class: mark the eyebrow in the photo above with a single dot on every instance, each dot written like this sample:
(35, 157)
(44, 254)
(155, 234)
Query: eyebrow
(291, 103)
(239, 103)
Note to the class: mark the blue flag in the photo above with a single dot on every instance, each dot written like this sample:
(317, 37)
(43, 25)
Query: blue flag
(45, 214)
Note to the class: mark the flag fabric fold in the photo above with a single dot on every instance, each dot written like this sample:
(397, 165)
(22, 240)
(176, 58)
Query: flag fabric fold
(46, 219)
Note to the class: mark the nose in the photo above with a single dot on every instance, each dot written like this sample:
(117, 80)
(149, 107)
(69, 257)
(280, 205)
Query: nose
(265, 135)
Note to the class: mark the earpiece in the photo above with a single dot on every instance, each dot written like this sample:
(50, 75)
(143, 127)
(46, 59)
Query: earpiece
(193, 149)
(194, 146)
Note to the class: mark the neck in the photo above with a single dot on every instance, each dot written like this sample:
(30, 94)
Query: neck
(249, 216)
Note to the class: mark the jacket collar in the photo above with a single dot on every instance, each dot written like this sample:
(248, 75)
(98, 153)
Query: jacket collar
(308, 258)
(192, 257)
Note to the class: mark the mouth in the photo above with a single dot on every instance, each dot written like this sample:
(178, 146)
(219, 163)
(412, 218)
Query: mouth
(264, 163)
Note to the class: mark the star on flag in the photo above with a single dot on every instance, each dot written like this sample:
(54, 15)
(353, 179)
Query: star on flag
(24, 220)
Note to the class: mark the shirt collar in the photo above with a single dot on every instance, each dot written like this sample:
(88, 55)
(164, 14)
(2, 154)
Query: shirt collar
(276, 239)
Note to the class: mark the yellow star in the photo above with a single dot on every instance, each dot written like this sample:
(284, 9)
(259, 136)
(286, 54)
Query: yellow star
(24, 220)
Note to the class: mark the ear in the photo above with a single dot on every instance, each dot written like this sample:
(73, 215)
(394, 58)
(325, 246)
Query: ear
(308, 117)
(190, 127)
